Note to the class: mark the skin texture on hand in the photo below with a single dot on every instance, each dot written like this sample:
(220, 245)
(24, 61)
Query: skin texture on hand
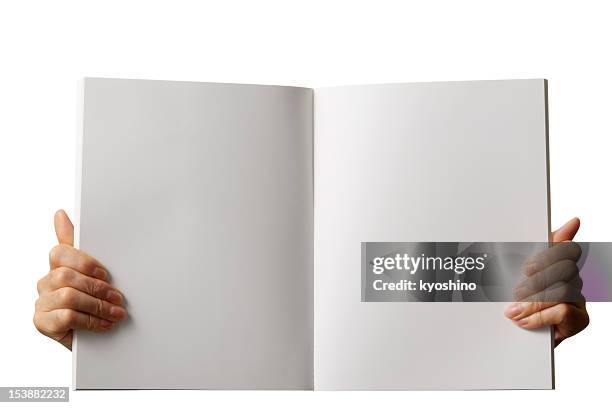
(76, 293)
(557, 268)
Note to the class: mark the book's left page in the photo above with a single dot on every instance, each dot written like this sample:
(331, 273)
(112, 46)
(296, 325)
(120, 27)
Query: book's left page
(198, 198)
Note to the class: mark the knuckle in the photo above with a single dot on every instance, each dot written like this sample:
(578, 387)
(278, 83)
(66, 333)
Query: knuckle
(547, 295)
(90, 264)
(537, 306)
(86, 263)
(569, 267)
(98, 288)
(37, 322)
(579, 284)
(91, 287)
(575, 270)
(539, 319)
(99, 307)
(575, 251)
(39, 286)
(91, 322)
(564, 292)
(548, 258)
(67, 317)
(564, 308)
(564, 311)
(61, 276)
(55, 254)
(542, 281)
(67, 296)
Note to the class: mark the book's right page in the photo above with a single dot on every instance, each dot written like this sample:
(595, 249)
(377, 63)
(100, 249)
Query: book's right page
(425, 162)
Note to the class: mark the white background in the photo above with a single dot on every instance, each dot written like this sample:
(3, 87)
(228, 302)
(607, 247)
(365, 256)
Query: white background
(46, 46)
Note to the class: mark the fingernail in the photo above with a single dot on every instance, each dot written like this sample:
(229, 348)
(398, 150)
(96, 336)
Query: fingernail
(523, 322)
(100, 273)
(114, 297)
(105, 324)
(117, 312)
(512, 311)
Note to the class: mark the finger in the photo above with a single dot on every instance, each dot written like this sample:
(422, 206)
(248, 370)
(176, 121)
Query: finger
(568, 231)
(67, 277)
(550, 316)
(559, 273)
(578, 319)
(70, 257)
(62, 320)
(64, 230)
(566, 250)
(70, 298)
(519, 310)
(560, 292)
(577, 285)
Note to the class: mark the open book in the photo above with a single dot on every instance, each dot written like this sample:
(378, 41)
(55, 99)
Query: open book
(232, 216)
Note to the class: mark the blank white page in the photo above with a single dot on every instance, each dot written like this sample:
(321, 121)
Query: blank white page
(198, 199)
(456, 161)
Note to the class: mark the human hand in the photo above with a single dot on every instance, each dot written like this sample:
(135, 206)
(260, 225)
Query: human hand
(75, 294)
(550, 294)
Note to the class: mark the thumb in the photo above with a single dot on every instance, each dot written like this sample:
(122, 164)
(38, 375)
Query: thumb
(64, 230)
(567, 231)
